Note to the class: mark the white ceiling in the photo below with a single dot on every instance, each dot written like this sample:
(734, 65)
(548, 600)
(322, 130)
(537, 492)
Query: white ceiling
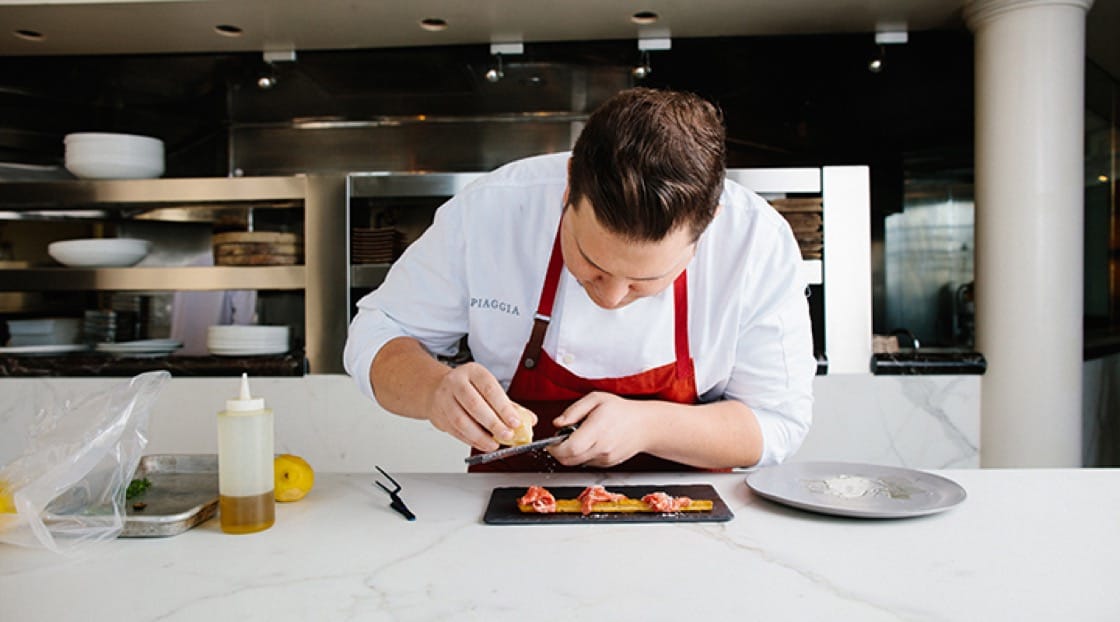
(163, 26)
(169, 26)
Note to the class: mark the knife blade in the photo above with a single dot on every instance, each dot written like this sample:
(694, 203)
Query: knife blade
(506, 452)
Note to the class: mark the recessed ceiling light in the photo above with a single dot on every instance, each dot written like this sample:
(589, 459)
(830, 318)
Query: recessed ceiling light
(29, 35)
(644, 18)
(433, 24)
(228, 30)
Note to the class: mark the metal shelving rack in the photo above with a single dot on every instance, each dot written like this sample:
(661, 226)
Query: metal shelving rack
(326, 278)
(325, 231)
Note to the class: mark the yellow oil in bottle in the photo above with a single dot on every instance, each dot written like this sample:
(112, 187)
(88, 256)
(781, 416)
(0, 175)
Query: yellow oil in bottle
(247, 514)
(246, 477)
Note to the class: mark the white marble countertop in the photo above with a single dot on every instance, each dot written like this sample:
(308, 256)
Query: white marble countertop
(1025, 545)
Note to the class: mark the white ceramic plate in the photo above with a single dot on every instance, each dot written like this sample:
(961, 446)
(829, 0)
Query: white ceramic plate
(43, 350)
(140, 348)
(856, 490)
(220, 351)
(248, 331)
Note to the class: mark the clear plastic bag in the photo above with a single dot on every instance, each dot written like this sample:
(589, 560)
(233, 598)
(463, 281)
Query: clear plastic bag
(68, 487)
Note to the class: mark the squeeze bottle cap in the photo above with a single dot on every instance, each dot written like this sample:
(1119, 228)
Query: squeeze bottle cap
(245, 402)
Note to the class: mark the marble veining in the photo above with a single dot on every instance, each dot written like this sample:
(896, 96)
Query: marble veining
(342, 554)
(931, 399)
(814, 579)
(915, 421)
(911, 421)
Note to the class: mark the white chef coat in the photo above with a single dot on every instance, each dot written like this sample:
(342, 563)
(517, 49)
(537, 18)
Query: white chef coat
(479, 270)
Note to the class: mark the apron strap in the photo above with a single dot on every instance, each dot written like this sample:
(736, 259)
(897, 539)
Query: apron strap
(544, 308)
(680, 324)
(532, 354)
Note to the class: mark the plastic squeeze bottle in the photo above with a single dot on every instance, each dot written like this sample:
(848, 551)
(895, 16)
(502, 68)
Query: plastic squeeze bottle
(245, 459)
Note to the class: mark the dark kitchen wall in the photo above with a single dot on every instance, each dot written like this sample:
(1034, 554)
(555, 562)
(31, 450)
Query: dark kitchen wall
(181, 99)
(803, 100)
(793, 101)
(787, 101)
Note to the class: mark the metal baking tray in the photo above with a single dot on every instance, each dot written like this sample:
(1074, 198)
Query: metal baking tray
(184, 493)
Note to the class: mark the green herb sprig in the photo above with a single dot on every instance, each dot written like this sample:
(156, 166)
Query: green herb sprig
(137, 487)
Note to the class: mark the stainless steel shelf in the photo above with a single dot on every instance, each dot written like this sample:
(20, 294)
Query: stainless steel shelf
(368, 185)
(322, 198)
(155, 279)
(325, 201)
(83, 193)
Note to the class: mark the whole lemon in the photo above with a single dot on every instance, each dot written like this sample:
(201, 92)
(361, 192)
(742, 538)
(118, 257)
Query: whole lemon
(294, 477)
(7, 506)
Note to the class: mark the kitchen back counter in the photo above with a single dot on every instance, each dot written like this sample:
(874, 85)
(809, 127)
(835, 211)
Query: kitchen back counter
(928, 422)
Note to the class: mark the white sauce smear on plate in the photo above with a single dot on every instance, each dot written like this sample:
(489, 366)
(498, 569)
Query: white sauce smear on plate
(855, 487)
(847, 486)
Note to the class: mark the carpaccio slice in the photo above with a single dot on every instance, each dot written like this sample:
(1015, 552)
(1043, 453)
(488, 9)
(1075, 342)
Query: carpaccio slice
(664, 502)
(596, 494)
(543, 502)
(540, 499)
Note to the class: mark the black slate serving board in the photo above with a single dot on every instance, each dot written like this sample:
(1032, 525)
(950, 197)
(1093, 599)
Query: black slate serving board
(503, 510)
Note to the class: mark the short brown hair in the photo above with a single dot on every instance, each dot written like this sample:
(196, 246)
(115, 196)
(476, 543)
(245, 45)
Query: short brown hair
(650, 161)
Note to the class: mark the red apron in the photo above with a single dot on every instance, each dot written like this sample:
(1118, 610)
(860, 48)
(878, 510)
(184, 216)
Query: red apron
(546, 388)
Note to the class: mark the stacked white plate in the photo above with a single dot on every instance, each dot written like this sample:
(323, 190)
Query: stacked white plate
(43, 350)
(101, 155)
(247, 340)
(48, 331)
(142, 348)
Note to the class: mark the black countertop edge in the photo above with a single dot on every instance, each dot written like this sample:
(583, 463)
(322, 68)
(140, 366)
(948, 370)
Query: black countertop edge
(929, 363)
(87, 365)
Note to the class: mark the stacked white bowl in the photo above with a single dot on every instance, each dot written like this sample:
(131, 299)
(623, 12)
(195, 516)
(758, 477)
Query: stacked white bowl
(100, 155)
(247, 340)
(99, 252)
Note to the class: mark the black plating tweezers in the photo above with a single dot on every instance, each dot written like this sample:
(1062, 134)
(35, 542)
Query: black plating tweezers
(397, 503)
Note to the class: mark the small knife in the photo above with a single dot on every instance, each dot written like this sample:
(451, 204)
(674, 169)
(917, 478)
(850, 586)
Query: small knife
(506, 452)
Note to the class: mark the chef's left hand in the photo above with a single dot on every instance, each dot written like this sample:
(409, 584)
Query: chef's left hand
(610, 431)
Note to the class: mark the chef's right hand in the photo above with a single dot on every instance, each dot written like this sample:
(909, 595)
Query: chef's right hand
(471, 405)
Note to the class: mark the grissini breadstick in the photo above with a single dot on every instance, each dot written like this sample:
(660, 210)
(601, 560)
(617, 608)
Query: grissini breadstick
(571, 506)
(597, 499)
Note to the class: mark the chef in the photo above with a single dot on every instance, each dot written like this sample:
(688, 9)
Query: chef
(626, 287)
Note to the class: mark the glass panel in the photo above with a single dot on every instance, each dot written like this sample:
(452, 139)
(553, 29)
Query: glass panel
(929, 264)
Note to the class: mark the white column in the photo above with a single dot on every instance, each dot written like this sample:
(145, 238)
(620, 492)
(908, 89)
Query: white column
(847, 268)
(1030, 68)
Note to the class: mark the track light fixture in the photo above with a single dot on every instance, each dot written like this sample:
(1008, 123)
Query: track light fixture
(875, 65)
(268, 77)
(888, 34)
(497, 71)
(643, 69)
